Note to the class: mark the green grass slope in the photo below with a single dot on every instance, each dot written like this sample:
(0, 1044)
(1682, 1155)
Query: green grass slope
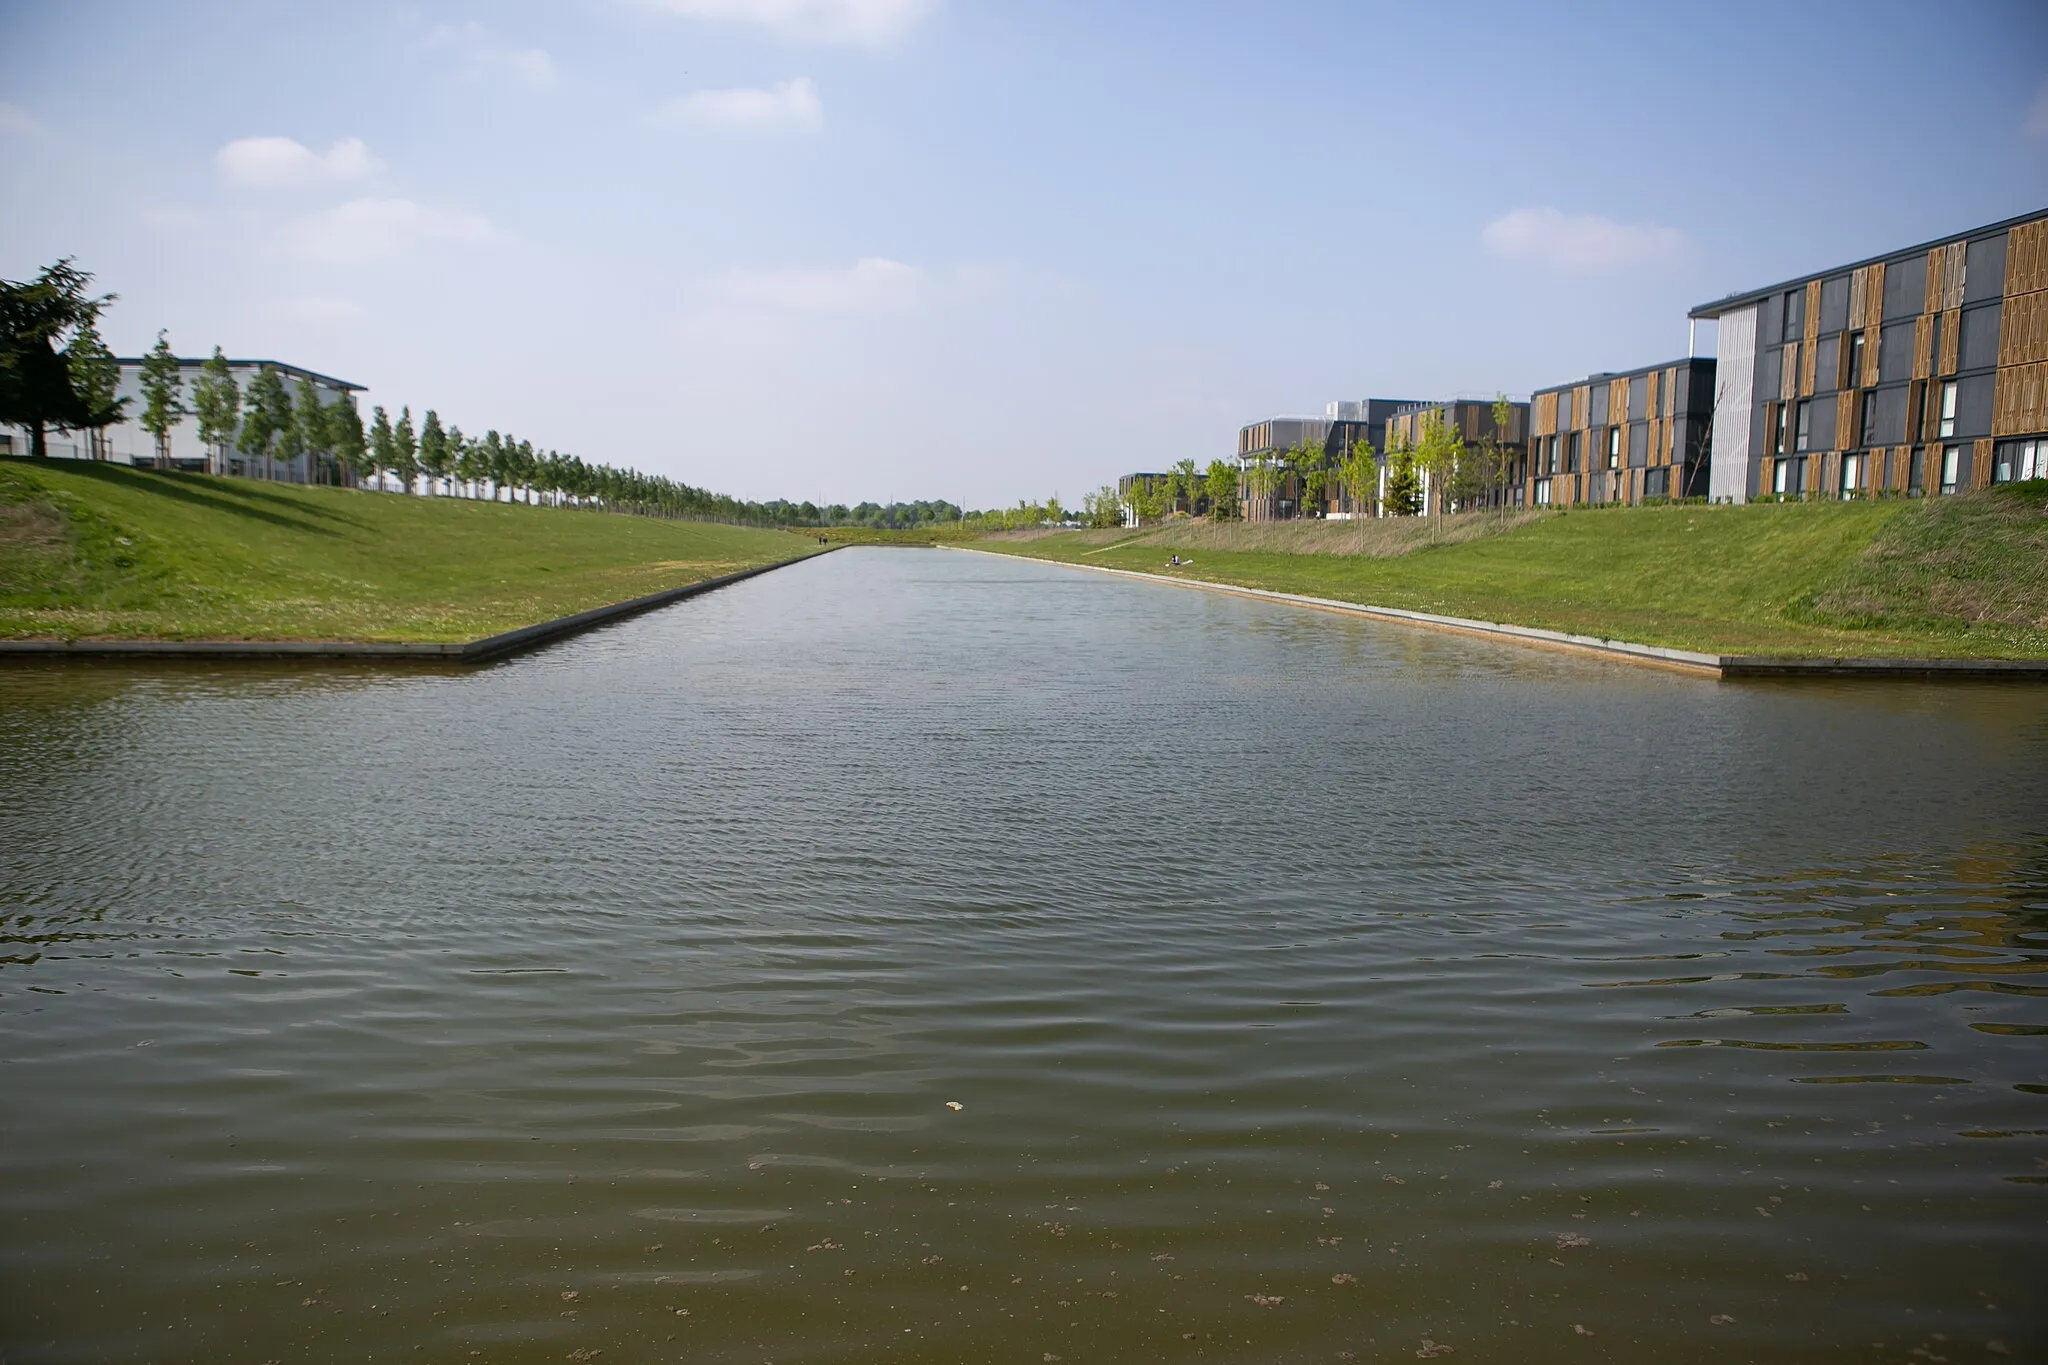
(1959, 577)
(105, 551)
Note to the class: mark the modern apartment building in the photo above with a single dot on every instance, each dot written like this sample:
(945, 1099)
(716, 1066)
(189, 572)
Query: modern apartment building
(126, 442)
(1472, 419)
(1346, 422)
(1923, 371)
(1623, 438)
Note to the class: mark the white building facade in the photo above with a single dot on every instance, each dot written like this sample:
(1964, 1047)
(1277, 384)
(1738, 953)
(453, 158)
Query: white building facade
(126, 442)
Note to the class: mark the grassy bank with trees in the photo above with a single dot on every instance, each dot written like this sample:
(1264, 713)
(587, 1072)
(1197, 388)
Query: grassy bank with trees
(106, 551)
(1960, 577)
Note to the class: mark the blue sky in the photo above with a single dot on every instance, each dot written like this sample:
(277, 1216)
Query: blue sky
(977, 249)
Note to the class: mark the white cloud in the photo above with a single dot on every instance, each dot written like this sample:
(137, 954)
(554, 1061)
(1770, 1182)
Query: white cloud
(871, 284)
(2036, 124)
(531, 67)
(786, 104)
(16, 121)
(826, 21)
(1562, 241)
(271, 161)
(366, 231)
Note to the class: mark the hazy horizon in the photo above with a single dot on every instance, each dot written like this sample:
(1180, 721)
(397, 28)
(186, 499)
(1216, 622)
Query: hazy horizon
(899, 249)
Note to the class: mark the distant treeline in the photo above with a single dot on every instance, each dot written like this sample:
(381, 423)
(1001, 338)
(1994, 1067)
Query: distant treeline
(57, 374)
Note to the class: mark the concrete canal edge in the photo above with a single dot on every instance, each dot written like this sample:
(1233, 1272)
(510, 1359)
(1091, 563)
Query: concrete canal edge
(1649, 656)
(473, 651)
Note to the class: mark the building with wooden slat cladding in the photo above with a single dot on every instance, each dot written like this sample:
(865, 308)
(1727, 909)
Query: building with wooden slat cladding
(1472, 420)
(1622, 438)
(1923, 371)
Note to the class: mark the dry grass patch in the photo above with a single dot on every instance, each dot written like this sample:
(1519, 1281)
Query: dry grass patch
(1376, 538)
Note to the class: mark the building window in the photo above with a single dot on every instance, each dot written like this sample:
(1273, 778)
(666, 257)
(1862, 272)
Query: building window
(1916, 471)
(2014, 461)
(1789, 477)
(1614, 447)
(1852, 475)
(1795, 314)
(1855, 375)
(1543, 491)
(1948, 408)
(1571, 453)
(1657, 483)
(1805, 430)
(1779, 446)
(1866, 436)
(1550, 455)
(1951, 463)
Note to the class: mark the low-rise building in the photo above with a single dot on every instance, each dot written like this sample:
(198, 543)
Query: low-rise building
(125, 442)
(1631, 437)
(1921, 371)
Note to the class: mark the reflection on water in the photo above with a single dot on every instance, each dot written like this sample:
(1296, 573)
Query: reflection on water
(1308, 989)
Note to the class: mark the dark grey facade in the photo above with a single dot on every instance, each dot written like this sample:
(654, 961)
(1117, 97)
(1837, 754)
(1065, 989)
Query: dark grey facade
(1628, 437)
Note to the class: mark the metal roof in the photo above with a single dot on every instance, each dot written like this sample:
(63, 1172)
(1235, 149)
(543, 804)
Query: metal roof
(1749, 296)
(294, 370)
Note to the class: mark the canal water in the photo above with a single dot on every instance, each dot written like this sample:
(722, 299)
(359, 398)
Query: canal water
(912, 956)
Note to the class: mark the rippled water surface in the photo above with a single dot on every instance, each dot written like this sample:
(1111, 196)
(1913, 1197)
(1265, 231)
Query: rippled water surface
(1308, 989)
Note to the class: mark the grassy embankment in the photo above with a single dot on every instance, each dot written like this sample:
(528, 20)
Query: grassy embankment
(106, 551)
(1963, 577)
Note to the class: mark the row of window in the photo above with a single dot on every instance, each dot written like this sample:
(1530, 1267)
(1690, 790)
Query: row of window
(1794, 435)
(2011, 462)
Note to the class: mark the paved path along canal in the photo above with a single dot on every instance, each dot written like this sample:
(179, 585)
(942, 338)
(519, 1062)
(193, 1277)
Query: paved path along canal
(1309, 989)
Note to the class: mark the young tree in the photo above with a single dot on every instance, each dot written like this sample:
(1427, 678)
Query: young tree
(217, 403)
(37, 385)
(1187, 482)
(1439, 454)
(490, 461)
(345, 432)
(435, 456)
(1359, 475)
(1404, 484)
(469, 470)
(268, 417)
(405, 448)
(383, 450)
(312, 428)
(95, 378)
(1498, 454)
(163, 396)
(1221, 486)
(1311, 475)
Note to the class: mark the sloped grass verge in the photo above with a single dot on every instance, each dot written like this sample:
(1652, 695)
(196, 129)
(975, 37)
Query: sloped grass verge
(108, 552)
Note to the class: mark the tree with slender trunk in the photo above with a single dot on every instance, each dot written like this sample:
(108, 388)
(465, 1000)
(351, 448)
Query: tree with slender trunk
(345, 430)
(217, 404)
(434, 453)
(406, 449)
(1187, 482)
(1221, 485)
(38, 388)
(1359, 475)
(163, 396)
(1438, 454)
(96, 379)
(383, 449)
(1499, 458)
(312, 431)
(269, 417)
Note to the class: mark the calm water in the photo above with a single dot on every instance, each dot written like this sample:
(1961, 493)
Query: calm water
(1308, 987)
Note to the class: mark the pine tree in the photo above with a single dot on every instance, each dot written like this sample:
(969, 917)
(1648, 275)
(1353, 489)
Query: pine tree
(217, 403)
(163, 396)
(1404, 484)
(38, 386)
